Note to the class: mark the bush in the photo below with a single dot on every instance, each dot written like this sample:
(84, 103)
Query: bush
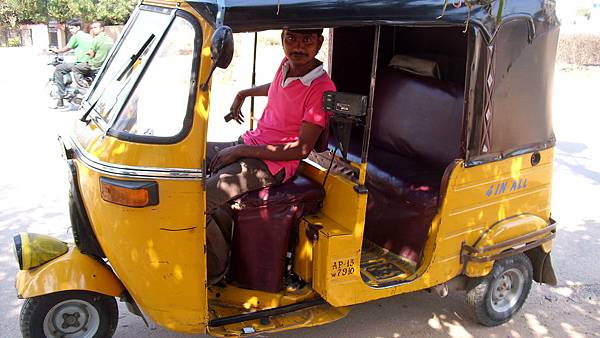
(579, 49)
(13, 42)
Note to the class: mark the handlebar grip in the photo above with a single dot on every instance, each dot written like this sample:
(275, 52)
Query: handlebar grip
(228, 117)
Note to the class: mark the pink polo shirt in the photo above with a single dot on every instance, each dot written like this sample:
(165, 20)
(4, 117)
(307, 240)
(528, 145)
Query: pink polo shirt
(289, 104)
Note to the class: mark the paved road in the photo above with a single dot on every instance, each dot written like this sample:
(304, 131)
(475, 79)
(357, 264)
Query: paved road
(33, 198)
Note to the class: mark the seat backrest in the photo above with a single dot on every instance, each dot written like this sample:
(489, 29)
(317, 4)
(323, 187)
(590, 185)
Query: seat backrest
(417, 116)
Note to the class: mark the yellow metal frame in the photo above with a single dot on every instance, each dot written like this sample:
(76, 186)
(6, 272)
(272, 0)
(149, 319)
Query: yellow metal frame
(71, 271)
(519, 203)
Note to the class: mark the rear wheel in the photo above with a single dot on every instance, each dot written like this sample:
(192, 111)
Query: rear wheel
(495, 298)
(76, 314)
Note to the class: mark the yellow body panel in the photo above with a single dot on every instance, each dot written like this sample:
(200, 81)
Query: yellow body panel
(247, 299)
(71, 271)
(158, 252)
(309, 317)
(476, 198)
(303, 255)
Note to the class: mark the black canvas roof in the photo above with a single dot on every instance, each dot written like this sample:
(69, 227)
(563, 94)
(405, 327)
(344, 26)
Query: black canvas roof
(257, 15)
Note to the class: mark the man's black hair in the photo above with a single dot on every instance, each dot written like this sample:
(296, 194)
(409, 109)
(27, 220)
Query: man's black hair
(318, 31)
(74, 22)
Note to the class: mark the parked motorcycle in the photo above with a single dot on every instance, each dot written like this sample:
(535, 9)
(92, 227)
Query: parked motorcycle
(75, 89)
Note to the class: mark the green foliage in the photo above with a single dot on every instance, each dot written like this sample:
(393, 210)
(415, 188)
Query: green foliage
(112, 12)
(31, 11)
(13, 42)
(63, 10)
(8, 13)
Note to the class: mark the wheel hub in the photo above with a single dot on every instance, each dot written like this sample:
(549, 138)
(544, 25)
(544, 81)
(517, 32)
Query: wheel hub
(73, 318)
(507, 289)
(70, 320)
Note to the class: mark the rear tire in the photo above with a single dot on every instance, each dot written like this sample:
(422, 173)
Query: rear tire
(495, 298)
(78, 314)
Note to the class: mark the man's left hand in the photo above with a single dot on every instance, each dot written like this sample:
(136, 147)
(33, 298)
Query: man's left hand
(225, 157)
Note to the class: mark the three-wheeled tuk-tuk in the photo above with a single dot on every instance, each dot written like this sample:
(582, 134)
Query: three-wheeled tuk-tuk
(435, 173)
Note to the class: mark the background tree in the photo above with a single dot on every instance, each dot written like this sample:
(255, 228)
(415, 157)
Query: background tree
(8, 13)
(63, 10)
(114, 12)
(13, 12)
(31, 11)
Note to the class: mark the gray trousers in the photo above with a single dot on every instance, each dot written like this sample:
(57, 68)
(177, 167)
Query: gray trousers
(59, 77)
(82, 70)
(228, 183)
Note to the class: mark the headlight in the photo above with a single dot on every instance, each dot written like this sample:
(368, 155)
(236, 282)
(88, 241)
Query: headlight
(33, 250)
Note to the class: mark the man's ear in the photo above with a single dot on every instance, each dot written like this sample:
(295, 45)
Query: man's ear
(321, 39)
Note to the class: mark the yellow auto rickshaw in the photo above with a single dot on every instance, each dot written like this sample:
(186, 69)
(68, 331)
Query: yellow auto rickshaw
(435, 173)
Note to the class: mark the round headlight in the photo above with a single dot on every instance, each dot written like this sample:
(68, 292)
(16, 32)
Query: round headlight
(18, 250)
(33, 250)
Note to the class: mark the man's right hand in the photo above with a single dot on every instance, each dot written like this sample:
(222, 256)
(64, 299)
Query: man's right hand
(236, 108)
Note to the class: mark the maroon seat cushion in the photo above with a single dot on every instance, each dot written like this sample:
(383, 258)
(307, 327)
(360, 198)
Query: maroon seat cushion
(415, 134)
(417, 117)
(264, 221)
(298, 189)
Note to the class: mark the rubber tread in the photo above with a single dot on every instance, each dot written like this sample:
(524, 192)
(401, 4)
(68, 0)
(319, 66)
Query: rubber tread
(478, 291)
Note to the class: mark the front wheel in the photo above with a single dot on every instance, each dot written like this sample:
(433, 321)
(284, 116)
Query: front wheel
(77, 314)
(496, 297)
(52, 89)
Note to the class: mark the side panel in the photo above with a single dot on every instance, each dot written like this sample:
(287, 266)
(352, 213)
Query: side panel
(157, 251)
(476, 198)
(71, 271)
(482, 196)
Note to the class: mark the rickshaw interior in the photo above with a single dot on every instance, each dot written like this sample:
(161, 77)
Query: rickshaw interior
(416, 133)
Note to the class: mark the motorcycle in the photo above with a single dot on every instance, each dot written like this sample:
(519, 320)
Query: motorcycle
(75, 88)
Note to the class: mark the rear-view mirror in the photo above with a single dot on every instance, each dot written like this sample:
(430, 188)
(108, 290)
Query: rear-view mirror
(221, 47)
(221, 51)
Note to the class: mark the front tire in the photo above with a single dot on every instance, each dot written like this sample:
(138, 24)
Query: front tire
(52, 89)
(495, 298)
(77, 314)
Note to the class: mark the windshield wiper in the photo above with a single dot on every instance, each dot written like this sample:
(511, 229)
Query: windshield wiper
(132, 60)
(135, 57)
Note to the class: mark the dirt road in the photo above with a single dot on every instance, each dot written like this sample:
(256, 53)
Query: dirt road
(33, 198)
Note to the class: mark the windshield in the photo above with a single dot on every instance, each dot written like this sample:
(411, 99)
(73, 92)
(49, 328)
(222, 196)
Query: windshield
(141, 38)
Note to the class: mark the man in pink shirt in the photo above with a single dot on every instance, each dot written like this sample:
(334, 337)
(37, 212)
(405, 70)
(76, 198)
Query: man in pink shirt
(290, 126)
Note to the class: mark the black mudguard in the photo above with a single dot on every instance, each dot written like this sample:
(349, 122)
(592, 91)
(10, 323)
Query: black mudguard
(543, 272)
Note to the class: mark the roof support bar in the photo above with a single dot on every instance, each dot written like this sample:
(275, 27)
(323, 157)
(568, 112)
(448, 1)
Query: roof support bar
(367, 135)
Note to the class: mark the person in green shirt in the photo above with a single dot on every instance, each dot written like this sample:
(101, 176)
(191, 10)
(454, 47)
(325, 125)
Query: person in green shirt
(80, 42)
(99, 49)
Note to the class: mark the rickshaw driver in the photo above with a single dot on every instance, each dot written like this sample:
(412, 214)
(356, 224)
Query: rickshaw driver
(287, 131)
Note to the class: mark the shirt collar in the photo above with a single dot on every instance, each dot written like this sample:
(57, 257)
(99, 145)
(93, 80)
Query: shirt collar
(306, 79)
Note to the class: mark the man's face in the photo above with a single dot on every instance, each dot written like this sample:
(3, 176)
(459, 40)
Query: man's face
(96, 28)
(300, 48)
(73, 29)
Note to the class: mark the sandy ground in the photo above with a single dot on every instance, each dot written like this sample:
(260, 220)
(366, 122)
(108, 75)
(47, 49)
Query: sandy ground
(33, 198)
